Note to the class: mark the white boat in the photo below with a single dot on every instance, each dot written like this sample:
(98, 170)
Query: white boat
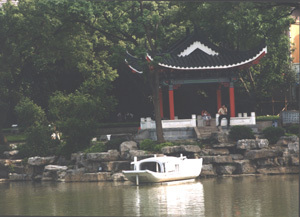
(163, 169)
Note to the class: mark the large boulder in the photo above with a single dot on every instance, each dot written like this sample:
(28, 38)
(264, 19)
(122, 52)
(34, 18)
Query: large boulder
(175, 150)
(285, 140)
(217, 159)
(279, 170)
(225, 169)
(218, 151)
(244, 167)
(208, 170)
(263, 153)
(128, 145)
(111, 155)
(293, 148)
(40, 161)
(248, 144)
(54, 173)
(19, 177)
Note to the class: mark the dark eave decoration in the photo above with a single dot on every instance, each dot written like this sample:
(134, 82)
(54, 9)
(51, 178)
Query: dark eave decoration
(195, 52)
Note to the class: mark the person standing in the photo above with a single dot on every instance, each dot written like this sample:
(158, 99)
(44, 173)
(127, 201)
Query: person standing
(223, 112)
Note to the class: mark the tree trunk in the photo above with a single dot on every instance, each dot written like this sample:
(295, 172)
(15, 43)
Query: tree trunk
(156, 105)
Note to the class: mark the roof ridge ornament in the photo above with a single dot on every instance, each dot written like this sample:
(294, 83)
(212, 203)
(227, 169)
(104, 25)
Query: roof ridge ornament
(198, 45)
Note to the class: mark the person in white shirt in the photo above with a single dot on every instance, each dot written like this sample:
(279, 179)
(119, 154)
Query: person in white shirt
(223, 112)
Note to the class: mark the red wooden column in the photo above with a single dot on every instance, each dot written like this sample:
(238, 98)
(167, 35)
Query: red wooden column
(232, 100)
(171, 102)
(219, 97)
(161, 105)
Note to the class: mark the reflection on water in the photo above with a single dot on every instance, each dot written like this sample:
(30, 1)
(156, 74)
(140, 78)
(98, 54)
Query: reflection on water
(274, 196)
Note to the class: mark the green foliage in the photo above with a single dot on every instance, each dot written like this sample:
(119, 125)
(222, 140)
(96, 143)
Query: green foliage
(114, 144)
(267, 118)
(273, 134)
(240, 132)
(147, 145)
(98, 147)
(39, 142)
(30, 114)
(292, 129)
(158, 147)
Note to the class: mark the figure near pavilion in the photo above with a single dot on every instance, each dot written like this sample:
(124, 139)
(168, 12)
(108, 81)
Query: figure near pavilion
(206, 116)
(223, 112)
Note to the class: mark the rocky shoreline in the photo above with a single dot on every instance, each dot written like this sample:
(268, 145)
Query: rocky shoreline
(244, 157)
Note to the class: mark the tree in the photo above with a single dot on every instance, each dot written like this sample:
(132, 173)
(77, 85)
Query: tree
(45, 46)
(76, 115)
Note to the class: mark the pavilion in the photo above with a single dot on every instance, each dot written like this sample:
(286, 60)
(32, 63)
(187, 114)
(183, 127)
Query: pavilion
(195, 60)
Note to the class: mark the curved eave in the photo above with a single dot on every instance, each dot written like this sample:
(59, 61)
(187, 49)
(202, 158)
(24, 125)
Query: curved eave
(134, 70)
(253, 60)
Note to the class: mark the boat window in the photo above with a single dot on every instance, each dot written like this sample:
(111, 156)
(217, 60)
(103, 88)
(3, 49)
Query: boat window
(152, 166)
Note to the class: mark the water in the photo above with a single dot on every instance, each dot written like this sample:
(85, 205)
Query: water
(248, 196)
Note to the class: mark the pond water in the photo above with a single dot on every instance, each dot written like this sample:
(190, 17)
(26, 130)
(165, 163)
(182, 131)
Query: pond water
(246, 196)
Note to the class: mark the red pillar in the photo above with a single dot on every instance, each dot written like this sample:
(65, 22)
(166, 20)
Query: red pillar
(161, 105)
(219, 97)
(232, 101)
(171, 102)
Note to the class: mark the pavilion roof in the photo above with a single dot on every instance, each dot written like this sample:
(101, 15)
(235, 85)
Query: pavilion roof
(196, 52)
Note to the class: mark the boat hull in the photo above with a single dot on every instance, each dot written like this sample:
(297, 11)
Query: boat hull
(147, 176)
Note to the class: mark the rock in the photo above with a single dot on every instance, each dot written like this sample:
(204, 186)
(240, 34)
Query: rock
(246, 144)
(173, 150)
(111, 155)
(222, 137)
(80, 176)
(11, 154)
(262, 143)
(293, 148)
(127, 146)
(219, 151)
(111, 166)
(119, 177)
(168, 150)
(266, 162)
(285, 140)
(237, 156)
(217, 159)
(263, 153)
(225, 169)
(41, 161)
(224, 145)
(279, 170)
(79, 160)
(54, 173)
(18, 177)
(74, 175)
(222, 159)
(140, 154)
(244, 167)
(208, 170)
(295, 160)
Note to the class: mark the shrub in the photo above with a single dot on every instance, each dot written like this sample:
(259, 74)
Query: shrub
(292, 129)
(114, 144)
(273, 134)
(240, 132)
(147, 145)
(98, 147)
(158, 147)
(39, 143)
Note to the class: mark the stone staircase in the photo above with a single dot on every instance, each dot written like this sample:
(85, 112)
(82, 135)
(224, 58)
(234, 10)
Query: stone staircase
(206, 131)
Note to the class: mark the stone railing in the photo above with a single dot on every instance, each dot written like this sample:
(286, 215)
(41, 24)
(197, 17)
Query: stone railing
(240, 120)
(148, 123)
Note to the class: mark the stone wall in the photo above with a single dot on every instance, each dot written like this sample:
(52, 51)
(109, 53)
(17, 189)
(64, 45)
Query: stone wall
(226, 158)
